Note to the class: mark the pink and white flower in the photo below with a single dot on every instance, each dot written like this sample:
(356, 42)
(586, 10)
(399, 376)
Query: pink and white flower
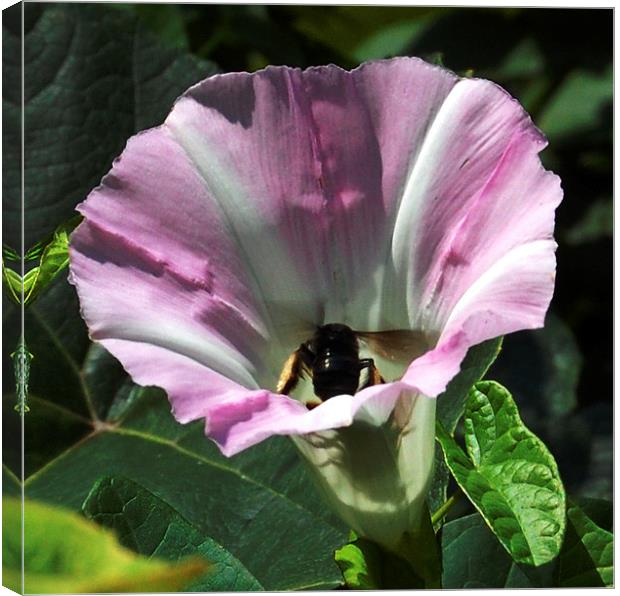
(397, 196)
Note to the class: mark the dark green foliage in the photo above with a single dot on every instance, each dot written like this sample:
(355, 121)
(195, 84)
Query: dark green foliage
(473, 557)
(146, 524)
(93, 77)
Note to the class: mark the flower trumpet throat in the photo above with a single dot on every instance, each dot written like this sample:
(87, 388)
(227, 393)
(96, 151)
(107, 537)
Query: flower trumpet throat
(377, 477)
(396, 197)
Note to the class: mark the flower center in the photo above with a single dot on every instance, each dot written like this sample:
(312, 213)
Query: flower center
(331, 359)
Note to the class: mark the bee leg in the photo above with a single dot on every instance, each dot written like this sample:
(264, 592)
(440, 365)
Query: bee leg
(296, 364)
(291, 372)
(374, 377)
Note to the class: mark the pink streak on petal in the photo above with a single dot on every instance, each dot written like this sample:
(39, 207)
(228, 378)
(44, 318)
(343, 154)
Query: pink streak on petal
(489, 229)
(368, 126)
(129, 293)
(515, 207)
(154, 198)
(479, 154)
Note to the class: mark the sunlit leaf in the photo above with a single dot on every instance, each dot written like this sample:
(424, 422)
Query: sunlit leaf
(64, 553)
(364, 32)
(54, 259)
(359, 562)
(509, 475)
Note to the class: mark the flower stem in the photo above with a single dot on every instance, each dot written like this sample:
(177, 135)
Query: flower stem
(443, 510)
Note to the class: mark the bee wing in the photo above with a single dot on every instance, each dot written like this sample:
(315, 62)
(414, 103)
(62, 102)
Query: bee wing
(396, 344)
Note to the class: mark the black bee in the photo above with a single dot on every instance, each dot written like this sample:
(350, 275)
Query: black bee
(331, 356)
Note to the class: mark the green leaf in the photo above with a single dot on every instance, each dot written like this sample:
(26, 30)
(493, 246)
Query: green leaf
(36, 250)
(391, 40)
(66, 553)
(54, 259)
(451, 405)
(368, 566)
(474, 559)
(600, 511)
(9, 254)
(93, 76)
(525, 60)
(225, 500)
(12, 283)
(587, 555)
(359, 562)
(148, 525)
(236, 502)
(509, 476)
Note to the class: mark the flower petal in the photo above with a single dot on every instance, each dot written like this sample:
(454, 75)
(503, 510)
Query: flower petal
(257, 211)
(152, 271)
(477, 175)
(308, 169)
(192, 388)
(244, 420)
(395, 196)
